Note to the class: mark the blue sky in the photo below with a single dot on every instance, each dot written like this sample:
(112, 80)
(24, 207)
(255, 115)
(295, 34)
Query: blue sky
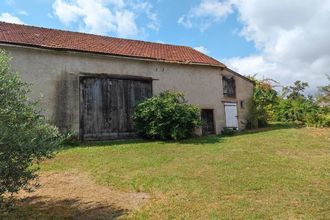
(285, 40)
(221, 40)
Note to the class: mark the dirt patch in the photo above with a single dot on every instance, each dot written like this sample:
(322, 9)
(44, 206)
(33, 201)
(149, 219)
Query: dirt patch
(292, 154)
(318, 132)
(297, 154)
(73, 195)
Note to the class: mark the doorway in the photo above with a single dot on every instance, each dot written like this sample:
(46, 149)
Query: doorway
(231, 115)
(107, 105)
(207, 121)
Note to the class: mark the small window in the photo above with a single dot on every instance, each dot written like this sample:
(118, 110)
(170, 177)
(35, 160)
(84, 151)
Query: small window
(229, 86)
(242, 104)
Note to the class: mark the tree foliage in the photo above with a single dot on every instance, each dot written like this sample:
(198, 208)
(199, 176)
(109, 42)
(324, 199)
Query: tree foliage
(166, 116)
(262, 103)
(294, 106)
(323, 96)
(295, 91)
(291, 106)
(25, 136)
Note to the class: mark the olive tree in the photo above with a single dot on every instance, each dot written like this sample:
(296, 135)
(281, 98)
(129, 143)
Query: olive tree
(25, 136)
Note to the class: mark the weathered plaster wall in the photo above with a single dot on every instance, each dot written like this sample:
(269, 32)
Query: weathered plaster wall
(244, 90)
(55, 79)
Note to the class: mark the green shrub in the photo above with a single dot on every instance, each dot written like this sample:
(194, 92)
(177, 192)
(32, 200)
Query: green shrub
(327, 120)
(166, 116)
(25, 136)
(318, 119)
(257, 117)
(229, 131)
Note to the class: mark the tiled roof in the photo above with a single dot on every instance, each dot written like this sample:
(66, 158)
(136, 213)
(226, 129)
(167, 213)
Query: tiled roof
(73, 41)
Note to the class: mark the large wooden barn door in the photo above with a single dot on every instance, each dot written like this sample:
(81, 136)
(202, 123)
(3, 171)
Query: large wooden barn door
(107, 106)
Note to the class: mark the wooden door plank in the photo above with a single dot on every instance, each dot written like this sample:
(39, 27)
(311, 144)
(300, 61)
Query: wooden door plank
(107, 106)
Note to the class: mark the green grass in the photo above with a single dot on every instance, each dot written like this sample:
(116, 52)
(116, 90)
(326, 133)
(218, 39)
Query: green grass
(277, 173)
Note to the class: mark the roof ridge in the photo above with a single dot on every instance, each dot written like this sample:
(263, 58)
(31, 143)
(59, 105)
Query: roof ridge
(96, 35)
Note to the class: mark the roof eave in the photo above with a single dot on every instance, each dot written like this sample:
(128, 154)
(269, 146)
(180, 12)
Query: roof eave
(239, 75)
(108, 54)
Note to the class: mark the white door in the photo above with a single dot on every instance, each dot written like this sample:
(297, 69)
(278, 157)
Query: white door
(231, 115)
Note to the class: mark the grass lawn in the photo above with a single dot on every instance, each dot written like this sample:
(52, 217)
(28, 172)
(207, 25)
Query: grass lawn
(278, 173)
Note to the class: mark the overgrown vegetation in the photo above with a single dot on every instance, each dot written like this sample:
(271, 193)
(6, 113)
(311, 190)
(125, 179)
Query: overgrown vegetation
(25, 136)
(166, 116)
(291, 105)
(261, 105)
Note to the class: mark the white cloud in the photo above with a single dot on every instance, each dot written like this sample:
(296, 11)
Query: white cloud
(140, 6)
(292, 38)
(126, 25)
(22, 12)
(6, 17)
(206, 13)
(202, 49)
(67, 12)
(106, 16)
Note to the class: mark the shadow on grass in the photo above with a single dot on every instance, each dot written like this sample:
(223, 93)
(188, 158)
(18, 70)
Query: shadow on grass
(271, 127)
(210, 139)
(37, 207)
(215, 139)
(109, 143)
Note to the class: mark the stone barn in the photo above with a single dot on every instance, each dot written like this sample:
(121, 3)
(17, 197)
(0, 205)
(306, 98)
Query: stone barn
(90, 84)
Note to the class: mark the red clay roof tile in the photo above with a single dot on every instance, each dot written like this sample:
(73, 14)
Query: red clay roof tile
(66, 40)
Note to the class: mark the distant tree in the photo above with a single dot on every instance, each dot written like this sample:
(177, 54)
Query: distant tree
(294, 106)
(323, 97)
(25, 136)
(291, 106)
(295, 91)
